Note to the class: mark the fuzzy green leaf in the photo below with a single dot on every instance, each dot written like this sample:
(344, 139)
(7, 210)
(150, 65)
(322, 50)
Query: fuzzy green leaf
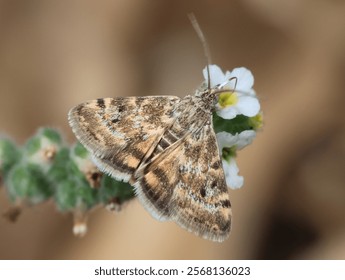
(52, 134)
(111, 189)
(9, 155)
(27, 182)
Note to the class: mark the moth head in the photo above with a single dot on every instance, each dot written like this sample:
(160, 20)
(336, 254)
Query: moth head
(216, 92)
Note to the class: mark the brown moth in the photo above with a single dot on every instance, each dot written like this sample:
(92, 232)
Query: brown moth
(166, 148)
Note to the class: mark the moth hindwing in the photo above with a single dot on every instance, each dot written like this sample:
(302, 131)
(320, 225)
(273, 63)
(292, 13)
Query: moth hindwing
(167, 149)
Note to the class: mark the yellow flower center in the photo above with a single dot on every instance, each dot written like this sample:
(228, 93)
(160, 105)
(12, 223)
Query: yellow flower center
(257, 121)
(227, 99)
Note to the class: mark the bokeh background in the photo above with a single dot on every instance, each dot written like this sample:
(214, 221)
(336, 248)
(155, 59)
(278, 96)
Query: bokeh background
(56, 54)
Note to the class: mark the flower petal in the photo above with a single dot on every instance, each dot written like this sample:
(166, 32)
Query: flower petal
(216, 75)
(245, 79)
(228, 113)
(233, 180)
(240, 140)
(245, 138)
(230, 82)
(226, 139)
(248, 105)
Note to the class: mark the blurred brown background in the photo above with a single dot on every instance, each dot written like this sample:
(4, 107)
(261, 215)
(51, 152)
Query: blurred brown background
(56, 54)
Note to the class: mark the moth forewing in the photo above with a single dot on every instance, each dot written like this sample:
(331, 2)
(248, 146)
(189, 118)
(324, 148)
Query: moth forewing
(186, 184)
(119, 132)
(166, 148)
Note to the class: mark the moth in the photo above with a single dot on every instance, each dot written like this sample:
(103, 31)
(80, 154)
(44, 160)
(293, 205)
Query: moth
(166, 148)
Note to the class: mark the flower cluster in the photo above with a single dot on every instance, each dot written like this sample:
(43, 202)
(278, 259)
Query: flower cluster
(237, 116)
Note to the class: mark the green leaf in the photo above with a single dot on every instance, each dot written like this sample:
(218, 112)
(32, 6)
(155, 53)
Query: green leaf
(236, 125)
(71, 186)
(65, 195)
(9, 155)
(110, 189)
(80, 151)
(86, 195)
(26, 181)
(33, 145)
(52, 134)
(59, 171)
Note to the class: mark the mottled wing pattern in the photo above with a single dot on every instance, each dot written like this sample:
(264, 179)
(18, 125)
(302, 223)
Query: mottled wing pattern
(186, 183)
(122, 132)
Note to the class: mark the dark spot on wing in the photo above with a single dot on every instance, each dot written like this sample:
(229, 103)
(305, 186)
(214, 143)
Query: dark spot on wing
(158, 201)
(160, 175)
(100, 103)
(215, 165)
(226, 203)
(137, 153)
(203, 192)
(214, 184)
(121, 108)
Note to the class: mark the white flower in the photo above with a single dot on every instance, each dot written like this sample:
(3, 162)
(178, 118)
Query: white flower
(241, 98)
(232, 143)
(237, 141)
(233, 180)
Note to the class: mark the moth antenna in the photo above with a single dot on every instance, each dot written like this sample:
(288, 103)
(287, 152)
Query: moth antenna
(229, 80)
(202, 38)
(234, 78)
(220, 87)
